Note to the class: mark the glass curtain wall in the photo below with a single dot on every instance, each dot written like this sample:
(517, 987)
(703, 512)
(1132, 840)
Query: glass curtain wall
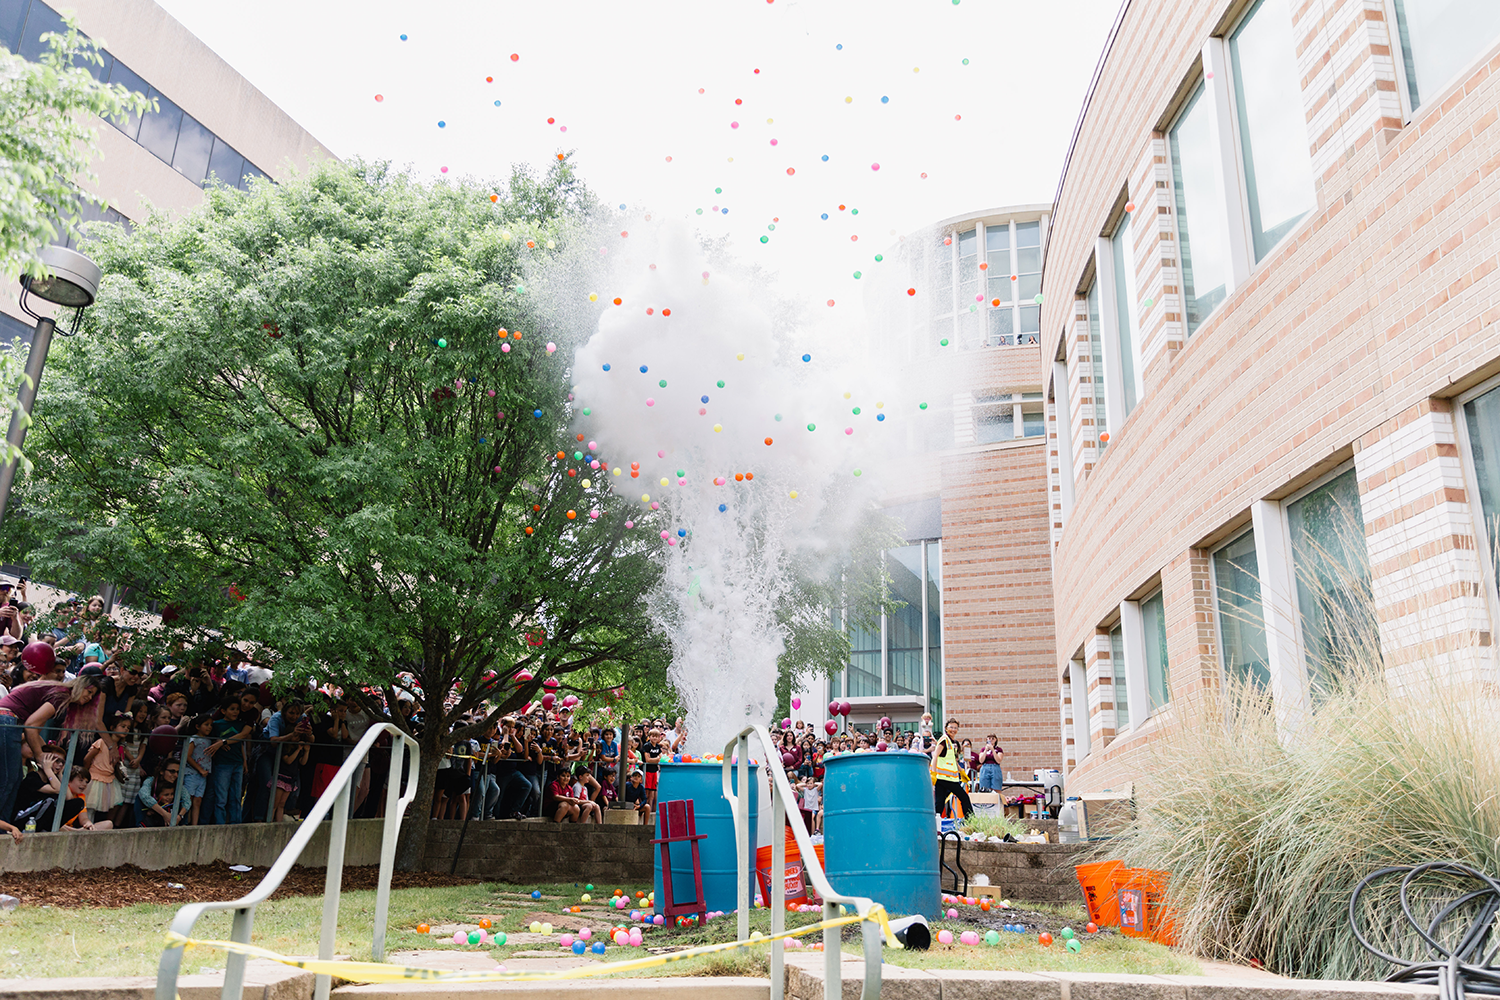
(1273, 130)
(1337, 608)
(1203, 244)
(1441, 37)
(1242, 624)
(1121, 692)
(903, 665)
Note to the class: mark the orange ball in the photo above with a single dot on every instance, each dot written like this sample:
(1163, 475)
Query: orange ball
(768, 441)
(486, 923)
(1091, 927)
(528, 531)
(618, 301)
(423, 929)
(561, 456)
(984, 904)
(1045, 939)
(517, 335)
(572, 514)
(501, 333)
(749, 476)
(739, 477)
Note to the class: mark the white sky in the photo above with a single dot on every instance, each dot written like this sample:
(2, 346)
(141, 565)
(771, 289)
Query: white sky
(623, 77)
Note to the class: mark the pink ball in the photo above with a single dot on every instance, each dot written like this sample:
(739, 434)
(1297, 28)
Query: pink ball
(658, 920)
(968, 937)
(548, 699)
(459, 937)
(880, 746)
(952, 914)
(786, 723)
(566, 940)
(833, 707)
(584, 933)
(621, 938)
(504, 348)
(945, 937)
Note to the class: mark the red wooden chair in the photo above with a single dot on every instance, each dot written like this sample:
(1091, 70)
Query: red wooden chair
(676, 826)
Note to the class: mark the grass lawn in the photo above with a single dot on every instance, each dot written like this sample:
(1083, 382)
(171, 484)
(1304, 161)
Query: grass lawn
(57, 941)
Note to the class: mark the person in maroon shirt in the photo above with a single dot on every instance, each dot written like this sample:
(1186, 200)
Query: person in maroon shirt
(23, 713)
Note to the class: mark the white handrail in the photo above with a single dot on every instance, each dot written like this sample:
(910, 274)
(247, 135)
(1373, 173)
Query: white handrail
(335, 798)
(737, 751)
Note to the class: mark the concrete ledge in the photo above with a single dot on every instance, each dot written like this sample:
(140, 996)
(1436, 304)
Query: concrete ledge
(263, 981)
(975, 984)
(682, 988)
(256, 844)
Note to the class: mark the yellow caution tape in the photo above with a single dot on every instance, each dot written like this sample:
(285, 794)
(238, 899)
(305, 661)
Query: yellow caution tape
(382, 972)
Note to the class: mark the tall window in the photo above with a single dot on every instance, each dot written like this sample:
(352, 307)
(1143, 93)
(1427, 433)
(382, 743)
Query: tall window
(903, 666)
(1482, 421)
(933, 552)
(863, 674)
(1122, 696)
(1125, 322)
(1242, 624)
(1273, 129)
(1029, 275)
(1439, 38)
(998, 285)
(1095, 370)
(969, 294)
(1339, 631)
(1203, 245)
(994, 421)
(1158, 676)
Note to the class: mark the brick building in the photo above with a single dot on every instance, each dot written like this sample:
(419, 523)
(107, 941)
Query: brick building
(974, 638)
(1269, 324)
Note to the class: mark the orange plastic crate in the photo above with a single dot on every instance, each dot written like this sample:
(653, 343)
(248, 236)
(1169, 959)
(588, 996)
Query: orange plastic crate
(1099, 891)
(1140, 896)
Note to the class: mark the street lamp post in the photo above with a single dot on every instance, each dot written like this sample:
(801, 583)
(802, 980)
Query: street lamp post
(74, 283)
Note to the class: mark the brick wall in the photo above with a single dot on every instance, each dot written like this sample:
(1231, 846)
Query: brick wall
(1341, 343)
(998, 670)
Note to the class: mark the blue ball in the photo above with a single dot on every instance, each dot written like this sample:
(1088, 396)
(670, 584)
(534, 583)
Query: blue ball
(536, 894)
(825, 157)
(681, 532)
(497, 104)
(403, 38)
(579, 947)
(442, 124)
(538, 415)
(724, 211)
(598, 948)
(622, 206)
(723, 507)
(807, 357)
(825, 216)
(677, 758)
(643, 369)
(704, 399)
(885, 100)
(839, 46)
(606, 367)
(880, 416)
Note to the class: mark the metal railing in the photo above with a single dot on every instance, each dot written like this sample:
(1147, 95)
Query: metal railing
(737, 754)
(336, 799)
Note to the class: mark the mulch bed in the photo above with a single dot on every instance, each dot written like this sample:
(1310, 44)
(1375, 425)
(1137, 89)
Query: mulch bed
(113, 887)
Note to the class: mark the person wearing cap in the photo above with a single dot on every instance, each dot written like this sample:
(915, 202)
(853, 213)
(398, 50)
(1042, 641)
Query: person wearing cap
(23, 713)
(635, 792)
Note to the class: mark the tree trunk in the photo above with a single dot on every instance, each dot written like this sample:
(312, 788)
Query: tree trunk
(413, 843)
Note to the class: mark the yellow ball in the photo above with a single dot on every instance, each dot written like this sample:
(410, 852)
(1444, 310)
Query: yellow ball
(546, 928)
(593, 296)
(587, 484)
(846, 395)
(793, 494)
(664, 480)
(718, 428)
(615, 471)
(645, 498)
(536, 927)
(756, 935)
(848, 100)
(879, 406)
(587, 898)
(770, 121)
(739, 357)
(505, 235)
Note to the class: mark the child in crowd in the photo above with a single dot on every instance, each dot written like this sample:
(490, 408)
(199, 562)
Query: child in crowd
(75, 809)
(101, 760)
(200, 762)
(636, 794)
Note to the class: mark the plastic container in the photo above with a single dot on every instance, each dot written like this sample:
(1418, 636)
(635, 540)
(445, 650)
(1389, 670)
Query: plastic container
(1067, 821)
(704, 784)
(796, 885)
(1099, 891)
(878, 823)
(1141, 900)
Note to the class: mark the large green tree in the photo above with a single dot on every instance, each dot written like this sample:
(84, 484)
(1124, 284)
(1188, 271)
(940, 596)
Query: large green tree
(324, 417)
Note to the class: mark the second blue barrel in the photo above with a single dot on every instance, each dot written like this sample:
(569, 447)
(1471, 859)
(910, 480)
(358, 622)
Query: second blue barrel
(880, 830)
(704, 784)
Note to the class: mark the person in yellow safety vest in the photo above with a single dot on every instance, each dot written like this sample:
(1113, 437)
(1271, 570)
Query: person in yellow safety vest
(947, 772)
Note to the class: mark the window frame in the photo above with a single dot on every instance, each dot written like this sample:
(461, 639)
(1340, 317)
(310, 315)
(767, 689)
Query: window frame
(1109, 331)
(1213, 594)
(1482, 540)
(1398, 59)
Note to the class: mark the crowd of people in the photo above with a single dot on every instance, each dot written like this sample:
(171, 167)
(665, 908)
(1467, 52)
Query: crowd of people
(191, 739)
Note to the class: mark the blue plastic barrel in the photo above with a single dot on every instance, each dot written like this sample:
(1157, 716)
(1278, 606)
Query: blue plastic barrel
(704, 784)
(880, 831)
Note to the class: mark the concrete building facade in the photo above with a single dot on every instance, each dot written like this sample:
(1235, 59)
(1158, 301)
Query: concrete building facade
(210, 122)
(1271, 349)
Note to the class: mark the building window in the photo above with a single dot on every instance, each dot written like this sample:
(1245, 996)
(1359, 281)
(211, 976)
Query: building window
(1482, 427)
(1273, 128)
(863, 673)
(1033, 419)
(1125, 313)
(1029, 276)
(933, 554)
(1095, 370)
(1121, 693)
(1242, 624)
(1334, 599)
(1439, 38)
(995, 423)
(1154, 629)
(1203, 245)
(903, 665)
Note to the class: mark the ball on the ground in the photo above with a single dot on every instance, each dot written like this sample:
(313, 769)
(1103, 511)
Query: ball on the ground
(945, 937)
(1075, 945)
(536, 894)
(597, 947)
(992, 938)
(1066, 933)
(499, 939)
(473, 937)
(579, 947)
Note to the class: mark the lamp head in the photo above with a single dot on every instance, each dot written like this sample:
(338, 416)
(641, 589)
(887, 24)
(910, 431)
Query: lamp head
(74, 280)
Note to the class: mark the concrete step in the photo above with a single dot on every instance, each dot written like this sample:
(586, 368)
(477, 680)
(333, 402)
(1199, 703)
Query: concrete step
(680, 988)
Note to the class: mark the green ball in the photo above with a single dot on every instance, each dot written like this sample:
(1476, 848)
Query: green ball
(778, 417)
(721, 383)
(992, 938)
(499, 939)
(700, 211)
(718, 190)
(1067, 933)
(1075, 945)
(878, 258)
(771, 226)
(1144, 305)
(587, 411)
(765, 239)
(681, 473)
(662, 383)
(856, 411)
(473, 937)
(578, 456)
(856, 472)
(442, 343)
(856, 274)
(921, 406)
(853, 211)
(812, 427)
(1038, 299)
(966, 62)
(943, 342)
(588, 888)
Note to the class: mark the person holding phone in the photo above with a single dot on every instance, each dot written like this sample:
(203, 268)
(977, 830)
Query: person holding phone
(990, 758)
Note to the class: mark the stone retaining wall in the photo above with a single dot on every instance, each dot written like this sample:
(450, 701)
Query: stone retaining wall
(1034, 873)
(526, 852)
